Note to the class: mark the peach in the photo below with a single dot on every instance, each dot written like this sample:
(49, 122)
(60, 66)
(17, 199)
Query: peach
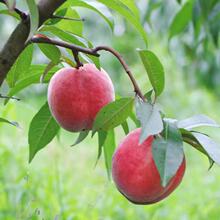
(75, 96)
(135, 173)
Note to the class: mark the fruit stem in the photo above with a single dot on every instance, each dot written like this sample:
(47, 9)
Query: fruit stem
(94, 52)
(76, 57)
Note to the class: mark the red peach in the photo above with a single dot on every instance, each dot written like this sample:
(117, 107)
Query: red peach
(75, 96)
(135, 173)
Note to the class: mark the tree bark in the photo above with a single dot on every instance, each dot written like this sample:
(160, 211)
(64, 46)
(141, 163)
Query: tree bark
(16, 42)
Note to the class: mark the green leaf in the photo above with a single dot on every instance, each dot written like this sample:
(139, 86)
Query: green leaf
(109, 148)
(197, 121)
(75, 27)
(123, 10)
(50, 51)
(125, 127)
(11, 13)
(42, 130)
(168, 153)
(91, 6)
(102, 135)
(34, 16)
(131, 5)
(2, 120)
(21, 66)
(34, 77)
(81, 137)
(154, 70)
(64, 35)
(181, 19)
(212, 148)
(150, 118)
(113, 114)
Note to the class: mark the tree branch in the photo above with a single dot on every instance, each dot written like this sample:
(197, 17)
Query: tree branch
(16, 42)
(94, 52)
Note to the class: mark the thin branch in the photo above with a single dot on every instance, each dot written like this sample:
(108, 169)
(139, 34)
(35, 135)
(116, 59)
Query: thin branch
(94, 52)
(9, 97)
(137, 90)
(67, 18)
(22, 14)
(72, 47)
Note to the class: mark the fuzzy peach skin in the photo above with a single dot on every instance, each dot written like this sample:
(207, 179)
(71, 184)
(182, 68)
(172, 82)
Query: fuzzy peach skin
(135, 174)
(75, 96)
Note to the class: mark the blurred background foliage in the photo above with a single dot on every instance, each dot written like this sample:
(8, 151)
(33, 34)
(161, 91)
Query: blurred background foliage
(62, 182)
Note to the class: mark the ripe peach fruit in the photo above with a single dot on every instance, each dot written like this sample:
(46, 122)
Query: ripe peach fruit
(135, 173)
(75, 96)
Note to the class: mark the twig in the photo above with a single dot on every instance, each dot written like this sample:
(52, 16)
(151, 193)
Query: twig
(9, 97)
(22, 14)
(94, 52)
(76, 57)
(125, 66)
(67, 18)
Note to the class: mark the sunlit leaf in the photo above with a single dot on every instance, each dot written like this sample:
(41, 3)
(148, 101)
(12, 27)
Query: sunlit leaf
(154, 70)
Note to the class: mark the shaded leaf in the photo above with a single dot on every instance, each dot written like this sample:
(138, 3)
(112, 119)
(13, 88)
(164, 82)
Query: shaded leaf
(181, 19)
(197, 121)
(102, 135)
(34, 16)
(212, 148)
(150, 118)
(2, 120)
(81, 137)
(42, 130)
(168, 153)
(109, 148)
(154, 70)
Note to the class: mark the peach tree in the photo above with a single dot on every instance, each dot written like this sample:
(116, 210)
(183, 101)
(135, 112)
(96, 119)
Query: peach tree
(150, 162)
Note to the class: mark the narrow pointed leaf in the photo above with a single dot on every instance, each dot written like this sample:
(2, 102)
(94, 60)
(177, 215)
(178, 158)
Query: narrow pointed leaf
(2, 120)
(89, 5)
(113, 114)
(102, 135)
(81, 137)
(109, 148)
(21, 66)
(154, 70)
(168, 153)
(123, 10)
(34, 16)
(150, 118)
(125, 127)
(42, 130)
(181, 19)
(210, 146)
(197, 121)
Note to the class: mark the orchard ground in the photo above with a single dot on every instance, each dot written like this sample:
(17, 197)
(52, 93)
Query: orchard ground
(62, 181)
